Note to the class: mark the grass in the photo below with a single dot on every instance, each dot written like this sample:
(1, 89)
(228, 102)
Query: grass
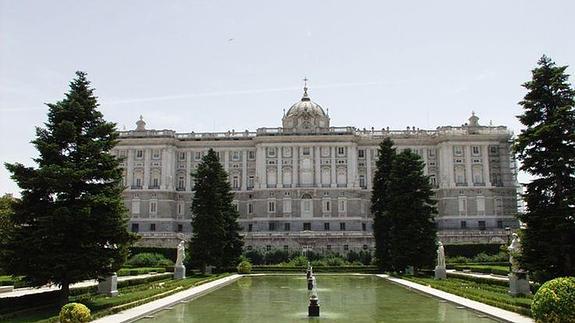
(491, 294)
(129, 296)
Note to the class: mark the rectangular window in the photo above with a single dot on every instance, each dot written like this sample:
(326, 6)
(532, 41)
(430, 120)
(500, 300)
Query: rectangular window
(271, 226)
(152, 227)
(306, 151)
(153, 207)
(271, 152)
(342, 205)
(500, 224)
(342, 226)
(271, 206)
(181, 183)
(458, 150)
(361, 153)
(464, 224)
(362, 183)
(181, 207)
(364, 247)
(198, 155)
(462, 205)
(307, 226)
(135, 227)
(326, 226)
(236, 155)
(250, 208)
(287, 227)
(363, 227)
(345, 247)
(475, 151)
(340, 151)
(155, 154)
(182, 155)
(251, 155)
(236, 182)
(251, 181)
(250, 227)
(180, 227)
(287, 205)
(481, 225)
(139, 154)
(287, 151)
(326, 205)
(268, 248)
(135, 207)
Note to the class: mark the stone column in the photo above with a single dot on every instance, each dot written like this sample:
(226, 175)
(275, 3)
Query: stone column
(368, 177)
(244, 170)
(352, 165)
(468, 173)
(147, 162)
(485, 160)
(130, 168)
(425, 168)
(108, 286)
(295, 166)
(333, 167)
(279, 180)
(317, 168)
(260, 166)
(446, 165)
(189, 171)
(226, 161)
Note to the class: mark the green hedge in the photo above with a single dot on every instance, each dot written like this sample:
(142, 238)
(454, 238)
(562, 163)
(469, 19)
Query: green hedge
(471, 250)
(319, 269)
(481, 280)
(554, 302)
(170, 253)
(139, 271)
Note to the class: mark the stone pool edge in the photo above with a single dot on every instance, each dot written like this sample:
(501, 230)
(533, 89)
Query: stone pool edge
(144, 310)
(492, 311)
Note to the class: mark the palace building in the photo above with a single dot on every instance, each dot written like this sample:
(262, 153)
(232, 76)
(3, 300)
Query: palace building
(307, 184)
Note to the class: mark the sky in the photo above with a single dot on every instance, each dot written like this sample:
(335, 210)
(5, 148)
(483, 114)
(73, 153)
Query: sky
(222, 65)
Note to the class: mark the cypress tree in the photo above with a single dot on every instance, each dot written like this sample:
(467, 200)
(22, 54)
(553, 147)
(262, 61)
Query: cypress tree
(70, 224)
(379, 202)
(546, 149)
(411, 209)
(215, 238)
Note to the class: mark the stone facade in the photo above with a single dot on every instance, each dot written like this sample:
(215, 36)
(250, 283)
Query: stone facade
(307, 185)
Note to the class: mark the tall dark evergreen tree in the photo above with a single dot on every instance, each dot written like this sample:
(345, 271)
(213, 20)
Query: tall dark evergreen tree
(546, 149)
(71, 223)
(215, 239)
(411, 209)
(379, 202)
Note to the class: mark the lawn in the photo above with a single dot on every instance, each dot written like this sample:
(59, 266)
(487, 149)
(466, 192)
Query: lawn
(100, 305)
(491, 294)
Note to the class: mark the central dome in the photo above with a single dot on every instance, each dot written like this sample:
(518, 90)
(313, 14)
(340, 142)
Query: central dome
(305, 115)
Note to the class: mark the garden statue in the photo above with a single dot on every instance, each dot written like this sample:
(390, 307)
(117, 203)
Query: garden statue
(440, 270)
(179, 268)
(518, 278)
(181, 254)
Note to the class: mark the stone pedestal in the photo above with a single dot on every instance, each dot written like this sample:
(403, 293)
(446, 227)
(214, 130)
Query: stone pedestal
(180, 272)
(519, 283)
(440, 273)
(313, 308)
(210, 269)
(109, 286)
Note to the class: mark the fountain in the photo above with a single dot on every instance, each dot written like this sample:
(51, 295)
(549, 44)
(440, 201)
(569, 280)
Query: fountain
(313, 307)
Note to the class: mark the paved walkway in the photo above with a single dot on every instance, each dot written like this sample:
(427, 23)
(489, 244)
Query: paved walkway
(478, 275)
(135, 313)
(492, 311)
(48, 288)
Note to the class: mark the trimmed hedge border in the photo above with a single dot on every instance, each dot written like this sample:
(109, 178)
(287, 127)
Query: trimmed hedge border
(318, 269)
(482, 269)
(140, 271)
(471, 250)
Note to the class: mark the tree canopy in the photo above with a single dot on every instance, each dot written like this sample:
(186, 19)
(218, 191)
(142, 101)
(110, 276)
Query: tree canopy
(215, 238)
(546, 149)
(404, 210)
(70, 224)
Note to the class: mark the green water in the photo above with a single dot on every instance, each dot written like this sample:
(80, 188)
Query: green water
(343, 298)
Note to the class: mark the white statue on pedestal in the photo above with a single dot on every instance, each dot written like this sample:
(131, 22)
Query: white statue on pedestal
(514, 249)
(440, 255)
(181, 254)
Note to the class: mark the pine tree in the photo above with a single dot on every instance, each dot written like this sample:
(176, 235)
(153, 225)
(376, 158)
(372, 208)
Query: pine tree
(410, 208)
(70, 224)
(379, 201)
(546, 149)
(215, 239)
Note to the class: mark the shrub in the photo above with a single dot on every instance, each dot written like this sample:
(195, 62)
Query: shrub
(471, 250)
(149, 260)
(256, 257)
(335, 261)
(244, 267)
(74, 313)
(299, 261)
(554, 302)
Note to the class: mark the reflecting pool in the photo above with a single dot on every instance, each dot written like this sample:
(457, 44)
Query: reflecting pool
(343, 298)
